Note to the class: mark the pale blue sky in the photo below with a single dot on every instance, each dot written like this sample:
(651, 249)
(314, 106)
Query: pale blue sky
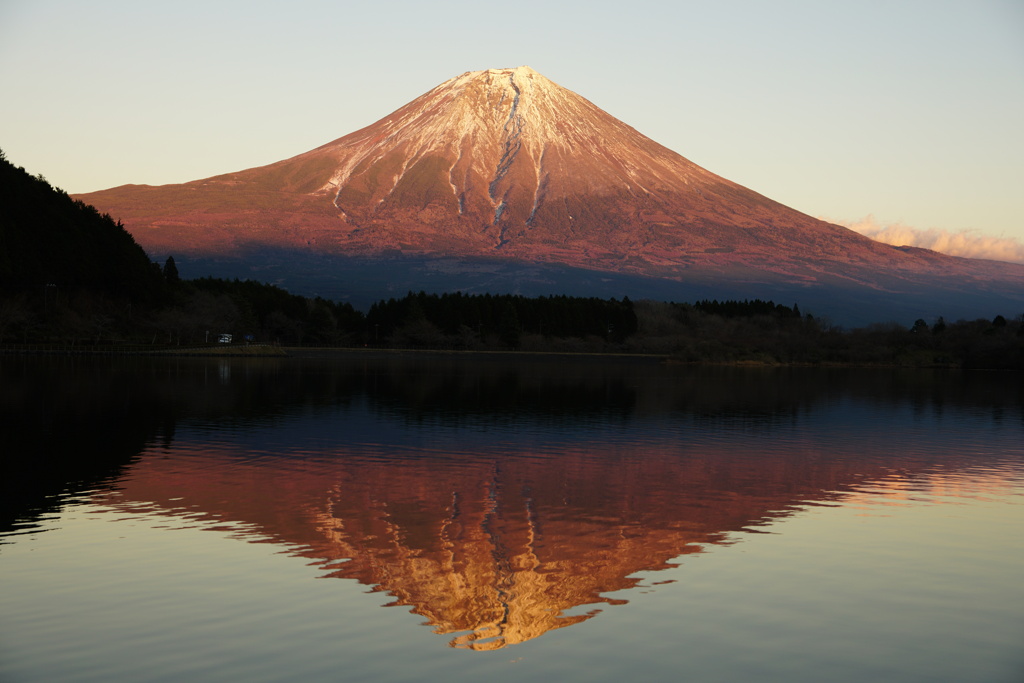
(908, 110)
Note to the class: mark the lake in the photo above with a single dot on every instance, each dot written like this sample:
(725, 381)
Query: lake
(433, 517)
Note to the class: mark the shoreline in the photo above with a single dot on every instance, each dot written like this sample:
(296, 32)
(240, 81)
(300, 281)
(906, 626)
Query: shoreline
(331, 352)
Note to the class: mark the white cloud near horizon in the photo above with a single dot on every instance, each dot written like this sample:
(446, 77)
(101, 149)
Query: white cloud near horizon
(966, 243)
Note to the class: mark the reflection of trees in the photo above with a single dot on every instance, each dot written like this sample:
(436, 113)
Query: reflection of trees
(451, 391)
(456, 390)
(64, 430)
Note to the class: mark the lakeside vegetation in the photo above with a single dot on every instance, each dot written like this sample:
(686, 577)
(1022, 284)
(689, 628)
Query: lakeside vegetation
(74, 277)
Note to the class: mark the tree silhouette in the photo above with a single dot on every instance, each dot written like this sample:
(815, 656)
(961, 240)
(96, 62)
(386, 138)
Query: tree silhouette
(508, 325)
(171, 271)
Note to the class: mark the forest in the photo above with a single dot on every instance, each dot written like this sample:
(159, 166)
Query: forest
(73, 277)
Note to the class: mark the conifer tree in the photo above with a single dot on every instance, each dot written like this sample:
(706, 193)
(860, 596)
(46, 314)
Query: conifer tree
(171, 271)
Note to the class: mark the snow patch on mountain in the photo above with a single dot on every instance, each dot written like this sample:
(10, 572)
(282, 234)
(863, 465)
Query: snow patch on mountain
(507, 111)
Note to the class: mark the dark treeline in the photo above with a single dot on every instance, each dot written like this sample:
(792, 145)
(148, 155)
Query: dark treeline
(49, 239)
(200, 310)
(71, 275)
(690, 334)
(489, 321)
(746, 309)
(65, 268)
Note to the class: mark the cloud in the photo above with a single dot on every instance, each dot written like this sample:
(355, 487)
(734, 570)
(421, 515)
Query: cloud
(967, 243)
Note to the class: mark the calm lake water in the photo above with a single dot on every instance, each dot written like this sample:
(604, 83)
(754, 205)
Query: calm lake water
(463, 519)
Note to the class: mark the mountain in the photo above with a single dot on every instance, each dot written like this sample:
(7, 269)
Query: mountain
(506, 181)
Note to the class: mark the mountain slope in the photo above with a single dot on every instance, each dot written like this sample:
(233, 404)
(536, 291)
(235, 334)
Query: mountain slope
(505, 165)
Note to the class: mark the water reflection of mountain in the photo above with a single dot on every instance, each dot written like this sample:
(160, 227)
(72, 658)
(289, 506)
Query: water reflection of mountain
(497, 548)
(499, 499)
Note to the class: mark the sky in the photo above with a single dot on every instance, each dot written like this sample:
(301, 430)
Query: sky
(903, 119)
